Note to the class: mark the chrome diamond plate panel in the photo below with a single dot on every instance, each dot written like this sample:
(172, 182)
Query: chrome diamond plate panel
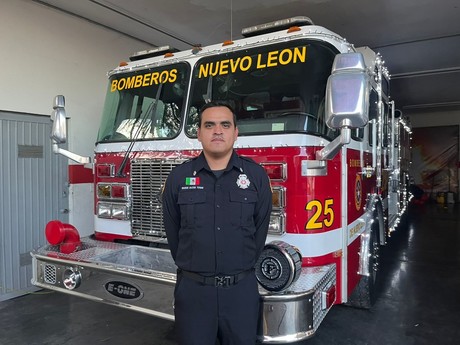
(139, 260)
(306, 295)
(89, 249)
(311, 278)
(323, 284)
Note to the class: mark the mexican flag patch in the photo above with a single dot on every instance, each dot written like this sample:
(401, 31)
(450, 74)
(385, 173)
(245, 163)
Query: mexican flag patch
(192, 181)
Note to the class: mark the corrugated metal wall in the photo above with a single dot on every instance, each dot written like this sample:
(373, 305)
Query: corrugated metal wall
(33, 191)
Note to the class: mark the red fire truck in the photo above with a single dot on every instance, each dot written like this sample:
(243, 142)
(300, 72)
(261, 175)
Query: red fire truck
(312, 109)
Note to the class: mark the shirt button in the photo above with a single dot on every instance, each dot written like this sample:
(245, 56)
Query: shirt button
(218, 206)
(218, 228)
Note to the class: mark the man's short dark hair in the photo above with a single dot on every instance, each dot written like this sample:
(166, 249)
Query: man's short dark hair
(218, 103)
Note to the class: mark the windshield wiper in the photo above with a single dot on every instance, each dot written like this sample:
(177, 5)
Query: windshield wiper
(153, 110)
(208, 96)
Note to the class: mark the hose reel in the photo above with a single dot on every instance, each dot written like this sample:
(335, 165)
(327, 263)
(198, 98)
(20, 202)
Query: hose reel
(278, 266)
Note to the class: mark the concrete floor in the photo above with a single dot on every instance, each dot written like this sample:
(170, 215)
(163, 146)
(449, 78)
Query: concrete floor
(418, 303)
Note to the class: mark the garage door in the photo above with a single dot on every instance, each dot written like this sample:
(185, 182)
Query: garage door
(33, 190)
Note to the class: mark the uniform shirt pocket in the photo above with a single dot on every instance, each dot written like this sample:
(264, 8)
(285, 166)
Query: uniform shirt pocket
(190, 202)
(242, 207)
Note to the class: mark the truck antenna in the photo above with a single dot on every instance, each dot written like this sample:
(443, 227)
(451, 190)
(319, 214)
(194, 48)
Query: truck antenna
(231, 20)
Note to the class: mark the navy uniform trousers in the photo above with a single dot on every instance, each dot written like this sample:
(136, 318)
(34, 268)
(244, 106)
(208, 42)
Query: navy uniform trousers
(204, 313)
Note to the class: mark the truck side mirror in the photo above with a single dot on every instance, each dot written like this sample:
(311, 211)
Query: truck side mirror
(58, 116)
(59, 131)
(347, 93)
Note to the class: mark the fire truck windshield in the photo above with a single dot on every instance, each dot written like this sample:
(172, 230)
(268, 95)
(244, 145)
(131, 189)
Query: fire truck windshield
(136, 108)
(275, 89)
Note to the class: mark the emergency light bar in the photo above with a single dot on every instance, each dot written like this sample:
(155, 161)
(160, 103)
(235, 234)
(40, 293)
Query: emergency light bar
(144, 54)
(276, 26)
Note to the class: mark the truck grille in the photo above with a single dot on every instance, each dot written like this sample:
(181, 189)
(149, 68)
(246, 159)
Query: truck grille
(147, 179)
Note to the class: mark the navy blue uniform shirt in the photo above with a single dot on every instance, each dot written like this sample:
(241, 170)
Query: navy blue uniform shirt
(217, 225)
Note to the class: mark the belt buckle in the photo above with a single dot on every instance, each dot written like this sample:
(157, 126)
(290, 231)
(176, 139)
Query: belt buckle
(222, 281)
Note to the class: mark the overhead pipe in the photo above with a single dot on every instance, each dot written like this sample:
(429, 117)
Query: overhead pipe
(64, 235)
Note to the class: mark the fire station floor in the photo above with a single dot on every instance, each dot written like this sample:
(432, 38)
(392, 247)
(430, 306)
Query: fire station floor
(418, 300)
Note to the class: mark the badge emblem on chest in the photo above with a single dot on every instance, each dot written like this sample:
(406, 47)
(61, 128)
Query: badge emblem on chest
(243, 181)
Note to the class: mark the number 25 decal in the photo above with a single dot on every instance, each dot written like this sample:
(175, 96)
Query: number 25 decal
(319, 210)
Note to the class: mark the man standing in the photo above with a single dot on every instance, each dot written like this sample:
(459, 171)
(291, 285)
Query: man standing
(216, 211)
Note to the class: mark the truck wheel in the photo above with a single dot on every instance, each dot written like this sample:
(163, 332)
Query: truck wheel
(364, 294)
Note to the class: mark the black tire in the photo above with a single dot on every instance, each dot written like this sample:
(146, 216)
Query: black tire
(364, 294)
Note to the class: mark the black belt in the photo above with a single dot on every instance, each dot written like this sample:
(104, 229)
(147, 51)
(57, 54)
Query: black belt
(217, 281)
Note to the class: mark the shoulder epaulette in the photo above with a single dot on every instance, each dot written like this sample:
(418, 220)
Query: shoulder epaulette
(248, 159)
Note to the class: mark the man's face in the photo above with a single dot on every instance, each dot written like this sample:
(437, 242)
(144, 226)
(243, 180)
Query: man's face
(217, 132)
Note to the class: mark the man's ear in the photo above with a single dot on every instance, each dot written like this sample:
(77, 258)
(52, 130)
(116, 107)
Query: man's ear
(236, 133)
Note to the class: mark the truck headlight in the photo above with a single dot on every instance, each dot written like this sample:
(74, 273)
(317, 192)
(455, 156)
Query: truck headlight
(104, 210)
(277, 224)
(112, 210)
(119, 211)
